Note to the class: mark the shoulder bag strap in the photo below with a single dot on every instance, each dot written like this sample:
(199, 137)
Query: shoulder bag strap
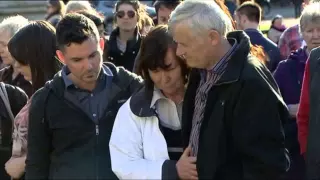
(5, 99)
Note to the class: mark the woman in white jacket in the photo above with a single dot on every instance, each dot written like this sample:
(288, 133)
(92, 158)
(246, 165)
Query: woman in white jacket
(146, 139)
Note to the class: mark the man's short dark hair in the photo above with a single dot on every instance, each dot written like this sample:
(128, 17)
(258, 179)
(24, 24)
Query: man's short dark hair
(251, 10)
(170, 4)
(75, 28)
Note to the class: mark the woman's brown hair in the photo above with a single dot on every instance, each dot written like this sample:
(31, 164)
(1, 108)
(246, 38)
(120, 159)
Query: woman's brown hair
(153, 51)
(35, 45)
(137, 6)
(147, 20)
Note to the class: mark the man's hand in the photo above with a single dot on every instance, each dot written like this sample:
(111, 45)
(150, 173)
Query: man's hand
(186, 166)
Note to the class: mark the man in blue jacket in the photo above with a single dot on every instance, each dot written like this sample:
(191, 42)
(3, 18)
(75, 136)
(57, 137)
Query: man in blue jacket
(248, 18)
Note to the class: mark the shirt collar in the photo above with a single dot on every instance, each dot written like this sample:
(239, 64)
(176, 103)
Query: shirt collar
(157, 95)
(222, 61)
(234, 43)
(104, 74)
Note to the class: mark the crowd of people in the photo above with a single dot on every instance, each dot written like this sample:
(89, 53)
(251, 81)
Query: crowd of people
(197, 92)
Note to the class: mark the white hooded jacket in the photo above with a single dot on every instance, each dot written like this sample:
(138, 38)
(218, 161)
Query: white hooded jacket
(138, 148)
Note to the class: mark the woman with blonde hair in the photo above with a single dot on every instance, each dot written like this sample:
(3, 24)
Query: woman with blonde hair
(75, 6)
(146, 25)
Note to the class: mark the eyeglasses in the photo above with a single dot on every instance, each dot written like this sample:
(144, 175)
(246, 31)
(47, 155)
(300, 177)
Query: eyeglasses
(130, 14)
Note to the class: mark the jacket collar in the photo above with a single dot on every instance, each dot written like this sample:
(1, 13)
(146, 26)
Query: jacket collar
(130, 43)
(58, 86)
(105, 75)
(300, 55)
(238, 58)
(140, 103)
(253, 31)
(316, 53)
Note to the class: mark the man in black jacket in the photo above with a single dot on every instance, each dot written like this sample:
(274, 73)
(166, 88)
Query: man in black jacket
(71, 118)
(233, 112)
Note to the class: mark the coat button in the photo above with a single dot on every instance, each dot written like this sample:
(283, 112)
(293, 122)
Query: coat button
(133, 52)
(121, 54)
(222, 103)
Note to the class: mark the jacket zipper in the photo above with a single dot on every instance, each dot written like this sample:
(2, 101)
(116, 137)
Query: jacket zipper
(96, 130)
(97, 144)
(97, 134)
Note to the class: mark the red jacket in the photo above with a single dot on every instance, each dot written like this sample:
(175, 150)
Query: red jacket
(304, 109)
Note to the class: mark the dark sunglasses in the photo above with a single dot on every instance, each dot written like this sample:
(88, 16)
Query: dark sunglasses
(130, 14)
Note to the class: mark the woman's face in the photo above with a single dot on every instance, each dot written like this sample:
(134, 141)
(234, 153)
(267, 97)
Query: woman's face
(4, 52)
(311, 35)
(278, 23)
(170, 80)
(25, 70)
(127, 18)
(51, 9)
